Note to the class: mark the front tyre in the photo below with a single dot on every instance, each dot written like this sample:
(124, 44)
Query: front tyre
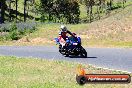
(83, 53)
(60, 48)
(66, 54)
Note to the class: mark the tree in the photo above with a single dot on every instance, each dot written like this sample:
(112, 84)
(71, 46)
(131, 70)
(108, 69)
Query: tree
(0, 12)
(74, 12)
(11, 3)
(25, 4)
(109, 4)
(60, 10)
(10, 12)
(47, 9)
(3, 7)
(98, 5)
(89, 4)
(16, 9)
(9, 8)
(68, 9)
(123, 2)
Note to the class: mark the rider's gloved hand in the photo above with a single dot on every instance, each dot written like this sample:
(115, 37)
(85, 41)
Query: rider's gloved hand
(67, 40)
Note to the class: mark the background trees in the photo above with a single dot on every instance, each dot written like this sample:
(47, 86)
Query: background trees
(62, 11)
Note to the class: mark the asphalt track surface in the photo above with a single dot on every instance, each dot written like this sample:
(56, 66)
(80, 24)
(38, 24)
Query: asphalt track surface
(113, 58)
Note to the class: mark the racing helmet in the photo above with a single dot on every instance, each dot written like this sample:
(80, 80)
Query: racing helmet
(63, 28)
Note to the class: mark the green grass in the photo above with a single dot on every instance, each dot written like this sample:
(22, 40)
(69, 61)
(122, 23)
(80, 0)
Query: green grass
(107, 43)
(52, 30)
(37, 73)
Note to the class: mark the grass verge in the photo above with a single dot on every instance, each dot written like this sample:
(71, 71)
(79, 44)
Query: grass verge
(40, 73)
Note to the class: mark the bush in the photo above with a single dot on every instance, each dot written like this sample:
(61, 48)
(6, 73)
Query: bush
(14, 33)
(17, 31)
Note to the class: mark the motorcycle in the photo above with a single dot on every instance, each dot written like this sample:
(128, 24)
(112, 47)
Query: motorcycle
(71, 47)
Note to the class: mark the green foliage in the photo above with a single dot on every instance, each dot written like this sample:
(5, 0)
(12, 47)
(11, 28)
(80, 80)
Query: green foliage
(100, 7)
(14, 32)
(116, 5)
(60, 10)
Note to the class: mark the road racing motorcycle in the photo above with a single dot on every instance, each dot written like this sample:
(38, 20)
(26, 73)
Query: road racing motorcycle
(71, 47)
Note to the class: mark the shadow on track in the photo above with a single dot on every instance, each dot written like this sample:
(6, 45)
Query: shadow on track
(91, 57)
(80, 57)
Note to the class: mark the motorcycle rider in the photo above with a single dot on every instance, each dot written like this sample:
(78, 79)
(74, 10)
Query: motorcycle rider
(69, 45)
(64, 31)
(63, 35)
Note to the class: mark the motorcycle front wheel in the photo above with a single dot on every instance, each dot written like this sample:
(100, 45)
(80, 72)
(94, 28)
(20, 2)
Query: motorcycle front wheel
(83, 53)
